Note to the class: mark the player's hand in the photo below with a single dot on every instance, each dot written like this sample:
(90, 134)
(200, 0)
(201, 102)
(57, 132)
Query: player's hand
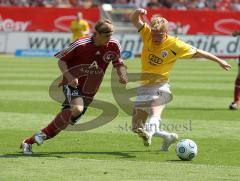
(142, 11)
(225, 65)
(74, 83)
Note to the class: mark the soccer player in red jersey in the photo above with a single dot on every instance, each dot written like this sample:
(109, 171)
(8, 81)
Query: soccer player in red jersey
(83, 64)
(236, 102)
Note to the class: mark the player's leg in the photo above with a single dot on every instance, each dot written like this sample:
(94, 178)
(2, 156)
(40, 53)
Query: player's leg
(139, 118)
(53, 128)
(237, 87)
(164, 96)
(236, 103)
(161, 95)
(154, 128)
(74, 107)
(140, 115)
(61, 121)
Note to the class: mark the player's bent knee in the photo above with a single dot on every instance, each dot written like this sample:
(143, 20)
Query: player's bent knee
(77, 109)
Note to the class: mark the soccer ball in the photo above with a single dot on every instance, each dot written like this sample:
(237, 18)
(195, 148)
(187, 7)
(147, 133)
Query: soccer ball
(186, 149)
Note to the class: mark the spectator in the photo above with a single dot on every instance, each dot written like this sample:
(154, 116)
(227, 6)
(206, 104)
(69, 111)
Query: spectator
(223, 5)
(153, 4)
(36, 3)
(79, 27)
(140, 3)
(166, 3)
(87, 3)
(179, 5)
(200, 4)
(235, 5)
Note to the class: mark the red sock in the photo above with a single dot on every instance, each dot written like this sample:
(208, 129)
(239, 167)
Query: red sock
(30, 140)
(237, 90)
(59, 123)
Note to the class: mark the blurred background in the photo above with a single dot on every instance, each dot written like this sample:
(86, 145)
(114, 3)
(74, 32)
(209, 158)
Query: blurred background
(42, 27)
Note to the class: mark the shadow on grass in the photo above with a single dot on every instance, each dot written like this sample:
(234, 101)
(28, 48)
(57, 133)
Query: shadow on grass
(198, 109)
(64, 154)
(177, 160)
(61, 154)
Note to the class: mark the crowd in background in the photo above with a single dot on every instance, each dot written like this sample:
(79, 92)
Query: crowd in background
(222, 5)
(49, 3)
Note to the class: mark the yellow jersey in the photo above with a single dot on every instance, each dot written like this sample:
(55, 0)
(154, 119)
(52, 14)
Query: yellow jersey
(158, 60)
(79, 29)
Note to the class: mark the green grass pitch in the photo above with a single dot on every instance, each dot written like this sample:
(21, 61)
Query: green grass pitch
(202, 92)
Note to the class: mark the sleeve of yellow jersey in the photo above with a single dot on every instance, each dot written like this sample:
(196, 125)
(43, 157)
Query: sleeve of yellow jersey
(86, 26)
(184, 50)
(144, 32)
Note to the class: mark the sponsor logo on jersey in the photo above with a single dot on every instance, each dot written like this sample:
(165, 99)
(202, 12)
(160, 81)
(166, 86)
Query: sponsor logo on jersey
(110, 56)
(89, 69)
(164, 53)
(93, 65)
(154, 60)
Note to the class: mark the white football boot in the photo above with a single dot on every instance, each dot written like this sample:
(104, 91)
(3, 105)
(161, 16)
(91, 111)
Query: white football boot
(173, 137)
(40, 137)
(233, 106)
(146, 137)
(26, 148)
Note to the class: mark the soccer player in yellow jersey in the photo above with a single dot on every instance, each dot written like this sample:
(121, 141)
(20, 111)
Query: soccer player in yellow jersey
(160, 51)
(79, 27)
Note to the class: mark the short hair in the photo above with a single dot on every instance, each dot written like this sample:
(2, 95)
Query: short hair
(104, 26)
(159, 23)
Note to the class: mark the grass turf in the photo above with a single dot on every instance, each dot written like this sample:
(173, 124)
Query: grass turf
(202, 93)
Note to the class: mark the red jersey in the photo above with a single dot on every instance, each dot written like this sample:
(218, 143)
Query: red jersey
(89, 62)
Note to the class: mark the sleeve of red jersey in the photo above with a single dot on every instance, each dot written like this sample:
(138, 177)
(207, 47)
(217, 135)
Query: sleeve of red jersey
(67, 53)
(117, 49)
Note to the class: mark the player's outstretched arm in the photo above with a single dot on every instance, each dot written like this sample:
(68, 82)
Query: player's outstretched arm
(203, 54)
(135, 17)
(122, 74)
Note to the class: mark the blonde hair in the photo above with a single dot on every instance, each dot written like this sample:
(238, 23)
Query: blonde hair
(159, 23)
(104, 26)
